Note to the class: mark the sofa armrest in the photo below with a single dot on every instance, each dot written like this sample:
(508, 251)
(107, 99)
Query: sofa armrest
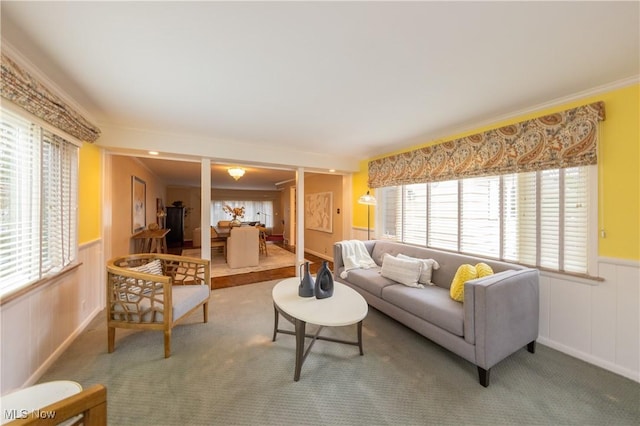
(501, 313)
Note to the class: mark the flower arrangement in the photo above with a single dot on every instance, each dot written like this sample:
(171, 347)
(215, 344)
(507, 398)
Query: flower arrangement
(236, 212)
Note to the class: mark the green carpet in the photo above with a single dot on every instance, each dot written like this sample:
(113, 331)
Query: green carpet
(229, 372)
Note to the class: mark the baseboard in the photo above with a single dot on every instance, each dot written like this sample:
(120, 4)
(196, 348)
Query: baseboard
(320, 255)
(598, 362)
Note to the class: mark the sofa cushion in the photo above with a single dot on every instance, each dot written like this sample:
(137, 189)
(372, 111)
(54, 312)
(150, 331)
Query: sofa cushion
(405, 271)
(428, 265)
(432, 304)
(370, 280)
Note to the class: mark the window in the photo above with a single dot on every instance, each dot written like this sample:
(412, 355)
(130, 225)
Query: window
(538, 218)
(258, 211)
(38, 202)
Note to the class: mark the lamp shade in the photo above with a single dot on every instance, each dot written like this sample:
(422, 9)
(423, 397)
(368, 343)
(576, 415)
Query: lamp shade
(367, 199)
(236, 172)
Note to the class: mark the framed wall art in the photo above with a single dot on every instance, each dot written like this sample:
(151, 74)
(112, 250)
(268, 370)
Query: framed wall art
(317, 211)
(138, 204)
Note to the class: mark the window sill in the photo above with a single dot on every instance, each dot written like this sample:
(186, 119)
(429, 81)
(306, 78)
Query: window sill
(570, 276)
(15, 294)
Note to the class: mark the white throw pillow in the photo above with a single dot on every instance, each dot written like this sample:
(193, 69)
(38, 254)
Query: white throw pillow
(404, 271)
(428, 265)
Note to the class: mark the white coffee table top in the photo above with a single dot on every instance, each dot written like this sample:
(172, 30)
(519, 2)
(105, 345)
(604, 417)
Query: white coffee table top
(345, 307)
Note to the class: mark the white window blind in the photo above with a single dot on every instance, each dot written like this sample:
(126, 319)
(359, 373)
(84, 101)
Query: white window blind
(549, 218)
(480, 216)
(390, 212)
(254, 211)
(38, 197)
(576, 219)
(443, 215)
(414, 229)
(526, 226)
(536, 218)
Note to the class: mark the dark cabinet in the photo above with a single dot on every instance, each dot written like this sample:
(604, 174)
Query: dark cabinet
(175, 222)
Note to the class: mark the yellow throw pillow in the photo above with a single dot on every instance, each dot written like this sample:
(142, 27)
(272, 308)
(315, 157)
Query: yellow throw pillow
(463, 274)
(483, 270)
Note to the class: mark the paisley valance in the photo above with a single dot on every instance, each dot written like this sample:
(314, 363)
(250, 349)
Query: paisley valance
(564, 139)
(18, 86)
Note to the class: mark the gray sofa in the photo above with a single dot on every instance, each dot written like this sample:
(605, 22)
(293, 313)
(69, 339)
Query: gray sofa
(499, 314)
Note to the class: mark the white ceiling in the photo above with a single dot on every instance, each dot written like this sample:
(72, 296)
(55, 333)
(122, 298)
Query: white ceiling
(286, 83)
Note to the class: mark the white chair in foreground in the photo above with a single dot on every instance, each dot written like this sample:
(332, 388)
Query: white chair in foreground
(59, 402)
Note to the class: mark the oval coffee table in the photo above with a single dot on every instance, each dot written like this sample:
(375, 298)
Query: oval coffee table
(345, 307)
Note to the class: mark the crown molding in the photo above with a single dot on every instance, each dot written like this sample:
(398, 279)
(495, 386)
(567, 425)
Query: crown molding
(594, 91)
(445, 133)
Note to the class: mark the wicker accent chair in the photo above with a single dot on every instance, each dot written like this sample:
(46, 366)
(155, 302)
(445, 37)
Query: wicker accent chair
(153, 291)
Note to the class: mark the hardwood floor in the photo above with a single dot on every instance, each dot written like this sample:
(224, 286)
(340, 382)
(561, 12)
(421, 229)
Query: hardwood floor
(272, 274)
(255, 277)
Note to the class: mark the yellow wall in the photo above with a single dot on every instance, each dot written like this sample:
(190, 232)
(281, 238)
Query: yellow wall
(618, 169)
(360, 188)
(89, 193)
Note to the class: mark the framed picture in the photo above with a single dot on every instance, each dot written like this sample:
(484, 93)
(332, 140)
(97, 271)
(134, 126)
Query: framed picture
(318, 210)
(138, 204)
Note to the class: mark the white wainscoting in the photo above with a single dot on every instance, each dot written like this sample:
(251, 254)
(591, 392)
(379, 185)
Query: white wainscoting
(39, 326)
(358, 233)
(595, 321)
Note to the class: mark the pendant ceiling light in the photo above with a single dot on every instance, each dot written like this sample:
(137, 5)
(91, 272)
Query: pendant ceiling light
(236, 172)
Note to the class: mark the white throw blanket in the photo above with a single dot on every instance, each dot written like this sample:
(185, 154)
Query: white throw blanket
(355, 256)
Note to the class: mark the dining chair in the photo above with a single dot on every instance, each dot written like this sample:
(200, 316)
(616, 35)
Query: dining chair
(218, 242)
(262, 236)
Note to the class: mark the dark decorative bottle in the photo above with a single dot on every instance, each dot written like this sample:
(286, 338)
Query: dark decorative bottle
(306, 287)
(324, 282)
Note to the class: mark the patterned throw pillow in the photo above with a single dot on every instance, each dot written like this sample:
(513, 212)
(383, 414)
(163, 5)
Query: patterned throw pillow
(464, 273)
(428, 265)
(154, 267)
(404, 271)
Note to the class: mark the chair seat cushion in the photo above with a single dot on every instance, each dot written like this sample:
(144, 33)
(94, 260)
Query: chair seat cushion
(186, 297)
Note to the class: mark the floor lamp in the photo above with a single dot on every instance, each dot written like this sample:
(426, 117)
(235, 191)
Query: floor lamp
(369, 200)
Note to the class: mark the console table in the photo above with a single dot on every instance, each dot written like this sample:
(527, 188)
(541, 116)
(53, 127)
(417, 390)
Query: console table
(151, 241)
